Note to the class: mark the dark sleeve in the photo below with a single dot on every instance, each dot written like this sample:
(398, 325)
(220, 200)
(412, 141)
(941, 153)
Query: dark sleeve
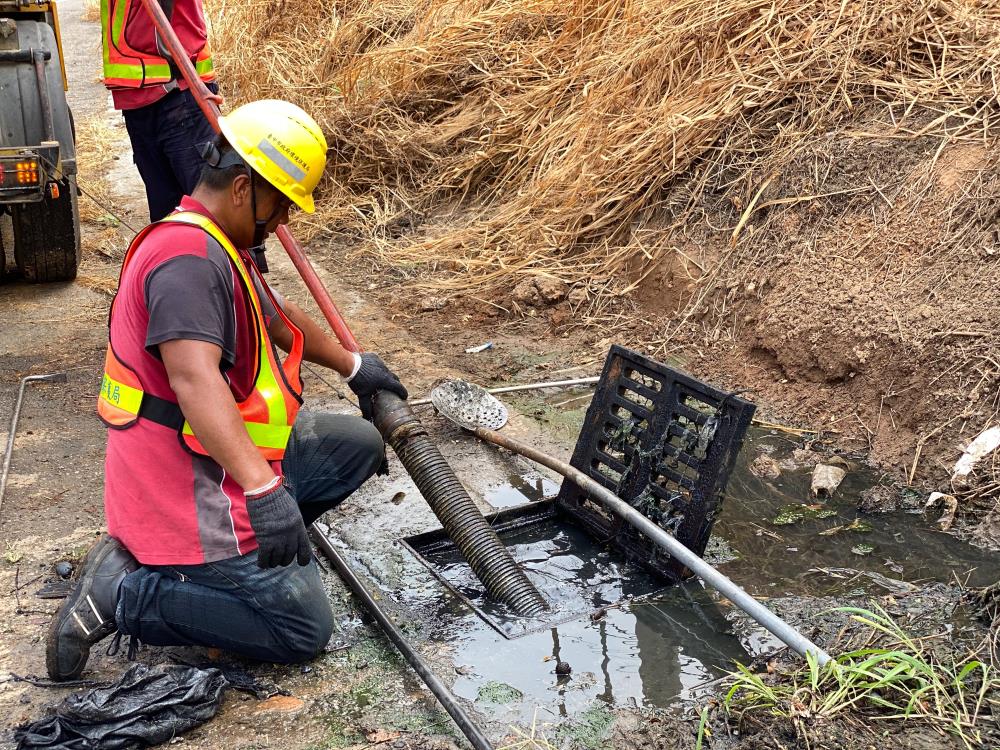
(190, 297)
(265, 303)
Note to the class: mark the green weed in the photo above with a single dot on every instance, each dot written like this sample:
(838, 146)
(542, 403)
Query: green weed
(902, 681)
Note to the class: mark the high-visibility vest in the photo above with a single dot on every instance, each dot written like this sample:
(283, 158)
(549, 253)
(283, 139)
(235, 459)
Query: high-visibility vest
(127, 67)
(269, 410)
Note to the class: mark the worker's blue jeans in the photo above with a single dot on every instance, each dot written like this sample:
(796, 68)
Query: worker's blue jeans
(278, 614)
(165, 136)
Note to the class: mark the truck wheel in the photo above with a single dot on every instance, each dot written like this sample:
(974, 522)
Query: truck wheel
(47, 236)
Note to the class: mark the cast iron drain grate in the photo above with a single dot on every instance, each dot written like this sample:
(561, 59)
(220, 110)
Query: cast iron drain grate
(665, 443)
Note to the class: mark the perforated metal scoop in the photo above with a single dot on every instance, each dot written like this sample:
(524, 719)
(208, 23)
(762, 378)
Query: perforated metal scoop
(468, 405)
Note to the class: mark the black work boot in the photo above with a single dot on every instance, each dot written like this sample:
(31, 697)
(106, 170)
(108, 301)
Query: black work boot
(88, 615)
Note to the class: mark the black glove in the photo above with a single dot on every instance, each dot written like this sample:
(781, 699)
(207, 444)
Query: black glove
(371, 377)
(277, 524)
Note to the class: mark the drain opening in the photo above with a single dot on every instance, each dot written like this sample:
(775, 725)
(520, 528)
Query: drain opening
(578, 576)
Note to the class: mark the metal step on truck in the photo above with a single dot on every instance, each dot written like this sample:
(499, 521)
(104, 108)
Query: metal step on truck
(39, 216)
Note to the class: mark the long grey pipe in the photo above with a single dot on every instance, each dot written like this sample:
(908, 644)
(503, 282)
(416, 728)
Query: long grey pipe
(56, 377)
(781, 629)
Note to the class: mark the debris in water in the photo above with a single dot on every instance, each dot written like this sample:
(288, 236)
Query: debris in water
(790, 514)
(862, 549)
(480, 348)
(950, 505)
(563, 668)
(598, 614)
(826, 479)
(498, 692)
(765, 467)
(985, 443)
(857, 525)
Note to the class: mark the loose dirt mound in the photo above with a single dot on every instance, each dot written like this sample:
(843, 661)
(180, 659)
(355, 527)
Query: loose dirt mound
(804, 191)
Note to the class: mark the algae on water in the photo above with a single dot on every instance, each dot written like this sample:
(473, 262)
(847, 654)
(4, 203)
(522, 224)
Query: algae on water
(499, 693)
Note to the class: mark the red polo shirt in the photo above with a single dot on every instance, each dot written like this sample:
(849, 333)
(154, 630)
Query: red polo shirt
(166, 505)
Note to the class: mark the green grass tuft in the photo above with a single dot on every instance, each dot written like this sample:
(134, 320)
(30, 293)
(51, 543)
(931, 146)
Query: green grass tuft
(902, 681)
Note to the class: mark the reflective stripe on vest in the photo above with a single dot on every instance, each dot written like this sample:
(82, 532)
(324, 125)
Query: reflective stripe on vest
(269, 410)
(125, 67)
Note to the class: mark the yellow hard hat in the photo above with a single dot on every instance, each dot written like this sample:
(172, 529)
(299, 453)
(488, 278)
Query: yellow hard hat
(281, 143)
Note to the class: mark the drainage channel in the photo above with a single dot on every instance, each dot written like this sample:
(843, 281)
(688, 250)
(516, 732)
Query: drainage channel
(625, 638)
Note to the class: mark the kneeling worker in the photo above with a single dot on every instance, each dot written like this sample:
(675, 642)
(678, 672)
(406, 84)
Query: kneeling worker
(212, 473)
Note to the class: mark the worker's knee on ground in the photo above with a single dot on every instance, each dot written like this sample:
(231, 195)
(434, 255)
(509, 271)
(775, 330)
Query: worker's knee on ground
(310, 636)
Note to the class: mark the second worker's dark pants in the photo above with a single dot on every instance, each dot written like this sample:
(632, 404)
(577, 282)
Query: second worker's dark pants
(165, 136)
(275, 614)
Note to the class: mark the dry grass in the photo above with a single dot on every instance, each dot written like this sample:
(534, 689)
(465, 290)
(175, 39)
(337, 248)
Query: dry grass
(558, 131)
(97, 147)
(477, 143)
(91, 10)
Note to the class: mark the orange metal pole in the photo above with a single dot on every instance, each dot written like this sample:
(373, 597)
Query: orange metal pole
(206, 100)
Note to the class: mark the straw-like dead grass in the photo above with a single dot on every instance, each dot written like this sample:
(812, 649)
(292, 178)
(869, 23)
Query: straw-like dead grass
(761, 146)
(556, 131)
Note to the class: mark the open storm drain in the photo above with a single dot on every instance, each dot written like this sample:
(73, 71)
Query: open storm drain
(577, 576)
(657, 438)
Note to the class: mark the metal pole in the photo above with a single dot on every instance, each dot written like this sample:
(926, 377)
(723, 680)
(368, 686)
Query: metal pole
(441, 692)
(56, 377)
(206, 100)
(526, 387)
(765, 617)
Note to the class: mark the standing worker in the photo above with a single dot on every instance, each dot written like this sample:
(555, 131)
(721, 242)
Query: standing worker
(212, 473)
(164, 123)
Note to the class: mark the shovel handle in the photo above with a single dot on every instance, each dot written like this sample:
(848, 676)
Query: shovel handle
(205, 101)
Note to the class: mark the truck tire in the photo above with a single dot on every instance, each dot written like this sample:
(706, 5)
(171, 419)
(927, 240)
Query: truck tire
(47, 236)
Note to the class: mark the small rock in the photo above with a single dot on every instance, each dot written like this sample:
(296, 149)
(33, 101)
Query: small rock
(526, 293)
(63, 569)
(431, 303)
(577, 296)
(536, 292)
(551, 290)
(563, 668)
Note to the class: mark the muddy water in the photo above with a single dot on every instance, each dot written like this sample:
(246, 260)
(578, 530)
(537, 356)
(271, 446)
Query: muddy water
(650, 646)
(627, 639)
(780, 551)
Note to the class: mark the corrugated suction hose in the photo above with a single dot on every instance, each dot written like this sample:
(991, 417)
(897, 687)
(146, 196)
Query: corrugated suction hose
(461, 519)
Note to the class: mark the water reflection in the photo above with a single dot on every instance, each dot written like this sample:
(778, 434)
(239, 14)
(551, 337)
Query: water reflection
(645, 646)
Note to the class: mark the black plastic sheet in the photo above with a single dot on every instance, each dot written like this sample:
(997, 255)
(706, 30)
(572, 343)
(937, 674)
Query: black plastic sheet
(147, 706)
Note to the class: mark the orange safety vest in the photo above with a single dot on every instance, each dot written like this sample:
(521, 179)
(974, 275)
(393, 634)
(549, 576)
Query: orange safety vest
(126, 67)
(269, 410)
